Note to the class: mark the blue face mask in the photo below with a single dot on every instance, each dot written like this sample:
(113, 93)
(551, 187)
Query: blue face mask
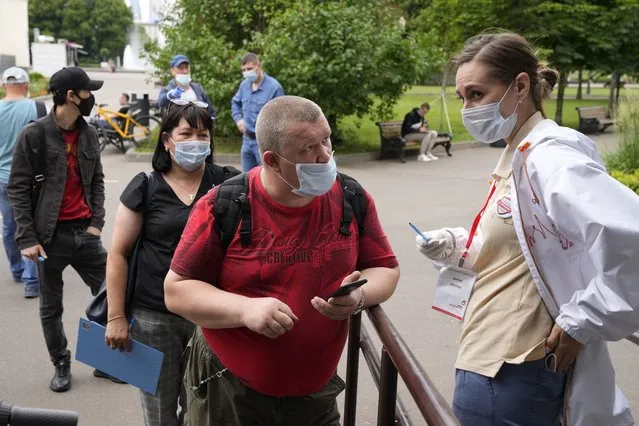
(191, 154)
(316, 179)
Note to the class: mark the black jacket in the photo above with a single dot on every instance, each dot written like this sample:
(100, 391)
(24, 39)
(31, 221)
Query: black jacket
(410, 119)
(37, 225)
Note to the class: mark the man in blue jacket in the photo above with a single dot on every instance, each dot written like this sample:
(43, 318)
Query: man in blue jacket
(256, 89)
(182, 87)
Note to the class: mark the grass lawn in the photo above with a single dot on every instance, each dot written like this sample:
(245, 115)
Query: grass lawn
(368, 133)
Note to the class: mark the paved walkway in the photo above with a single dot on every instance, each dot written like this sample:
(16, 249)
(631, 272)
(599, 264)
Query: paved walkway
(443, 193)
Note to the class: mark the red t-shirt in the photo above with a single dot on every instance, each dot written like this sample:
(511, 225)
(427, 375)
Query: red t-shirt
(74, 205)
(295, 255)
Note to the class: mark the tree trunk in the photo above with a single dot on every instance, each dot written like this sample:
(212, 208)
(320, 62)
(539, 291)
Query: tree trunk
(579, 85)
(618, 87)
(336, 137)
(613, 84)
(589, 80)
(563, 80)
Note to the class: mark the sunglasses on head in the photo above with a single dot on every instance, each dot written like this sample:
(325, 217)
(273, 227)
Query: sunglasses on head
(186, 102)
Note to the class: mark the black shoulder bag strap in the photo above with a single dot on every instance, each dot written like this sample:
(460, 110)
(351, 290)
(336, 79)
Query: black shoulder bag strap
(40, 163)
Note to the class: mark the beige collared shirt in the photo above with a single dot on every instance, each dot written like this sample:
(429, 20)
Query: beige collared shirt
(506, 319)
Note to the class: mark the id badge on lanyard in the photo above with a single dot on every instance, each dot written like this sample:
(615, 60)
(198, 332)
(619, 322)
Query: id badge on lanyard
(455, 283)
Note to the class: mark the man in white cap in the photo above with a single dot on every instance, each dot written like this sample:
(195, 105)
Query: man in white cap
(16, 110)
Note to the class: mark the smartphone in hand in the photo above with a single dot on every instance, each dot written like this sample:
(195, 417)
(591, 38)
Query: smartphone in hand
(347, 288)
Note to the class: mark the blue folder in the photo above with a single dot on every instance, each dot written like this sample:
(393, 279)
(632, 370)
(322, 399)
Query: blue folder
(140, 367)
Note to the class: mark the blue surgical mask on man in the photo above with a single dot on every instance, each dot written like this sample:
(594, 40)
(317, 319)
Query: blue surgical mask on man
(315, 179)
(191, 154)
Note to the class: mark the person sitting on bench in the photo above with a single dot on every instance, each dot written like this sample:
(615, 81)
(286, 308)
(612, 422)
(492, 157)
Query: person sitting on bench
(415, 127)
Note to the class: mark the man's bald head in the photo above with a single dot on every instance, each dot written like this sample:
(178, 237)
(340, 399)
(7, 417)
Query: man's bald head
(274, 120)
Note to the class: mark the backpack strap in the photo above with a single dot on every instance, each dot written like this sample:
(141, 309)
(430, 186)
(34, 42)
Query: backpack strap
(354, 204)
(231, 209)
(41, 109)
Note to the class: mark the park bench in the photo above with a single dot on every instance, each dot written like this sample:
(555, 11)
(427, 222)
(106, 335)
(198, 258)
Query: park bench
(594, 119)
(392, 142)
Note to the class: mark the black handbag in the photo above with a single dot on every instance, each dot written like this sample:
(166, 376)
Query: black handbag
(98, 309)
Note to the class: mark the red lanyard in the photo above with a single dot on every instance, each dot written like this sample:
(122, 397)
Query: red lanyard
(473, 229)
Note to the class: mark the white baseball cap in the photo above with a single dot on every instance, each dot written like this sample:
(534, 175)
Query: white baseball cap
(17, 76)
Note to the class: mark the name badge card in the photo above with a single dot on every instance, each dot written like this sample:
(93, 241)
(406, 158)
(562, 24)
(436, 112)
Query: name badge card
(453, 290)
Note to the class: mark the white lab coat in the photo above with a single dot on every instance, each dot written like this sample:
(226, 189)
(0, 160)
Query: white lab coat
(579, 231)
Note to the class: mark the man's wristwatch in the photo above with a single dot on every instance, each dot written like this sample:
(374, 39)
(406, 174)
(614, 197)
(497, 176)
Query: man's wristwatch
(360, 306)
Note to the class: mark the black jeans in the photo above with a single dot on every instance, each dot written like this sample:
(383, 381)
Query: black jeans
(71, 245)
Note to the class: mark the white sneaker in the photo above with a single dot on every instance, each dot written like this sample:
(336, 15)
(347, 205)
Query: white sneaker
(423, 157)
(432, 156)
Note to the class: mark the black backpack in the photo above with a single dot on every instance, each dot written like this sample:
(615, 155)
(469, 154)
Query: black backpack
(232, 209)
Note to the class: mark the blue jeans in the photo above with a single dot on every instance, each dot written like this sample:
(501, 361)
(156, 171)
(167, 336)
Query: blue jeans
(521, 394)
(250, 154)
(22, 269)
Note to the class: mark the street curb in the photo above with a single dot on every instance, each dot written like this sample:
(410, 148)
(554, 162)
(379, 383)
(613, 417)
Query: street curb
(119, 70)
(42, 98)
(145, 157)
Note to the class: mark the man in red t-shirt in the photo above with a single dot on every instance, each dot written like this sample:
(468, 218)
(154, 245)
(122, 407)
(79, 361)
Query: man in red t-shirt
(61, 226)
(268, 343)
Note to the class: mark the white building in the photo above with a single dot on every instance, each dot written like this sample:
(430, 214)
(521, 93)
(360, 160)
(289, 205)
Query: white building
(14, 31)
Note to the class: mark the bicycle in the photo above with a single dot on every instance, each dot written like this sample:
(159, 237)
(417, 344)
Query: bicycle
(116, 128)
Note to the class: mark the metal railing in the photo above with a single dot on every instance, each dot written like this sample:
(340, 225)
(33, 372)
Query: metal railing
(396, 359)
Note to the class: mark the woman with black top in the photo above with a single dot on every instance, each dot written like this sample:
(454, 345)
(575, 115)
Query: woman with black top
(155, 208)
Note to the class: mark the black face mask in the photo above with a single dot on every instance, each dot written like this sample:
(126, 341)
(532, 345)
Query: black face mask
(86, 105)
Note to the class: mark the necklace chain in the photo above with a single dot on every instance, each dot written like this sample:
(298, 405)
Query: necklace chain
(191, 194)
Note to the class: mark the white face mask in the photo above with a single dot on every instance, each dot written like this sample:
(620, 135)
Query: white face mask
(315, 178)
(183, 79)
(486, 124)
(250, 75)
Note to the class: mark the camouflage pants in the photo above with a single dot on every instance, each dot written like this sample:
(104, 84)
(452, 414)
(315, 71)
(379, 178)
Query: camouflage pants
(216, 397)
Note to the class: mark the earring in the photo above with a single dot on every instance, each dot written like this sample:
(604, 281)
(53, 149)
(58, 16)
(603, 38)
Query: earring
(166, 149)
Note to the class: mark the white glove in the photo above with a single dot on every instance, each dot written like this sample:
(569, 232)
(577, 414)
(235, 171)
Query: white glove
(440, 245)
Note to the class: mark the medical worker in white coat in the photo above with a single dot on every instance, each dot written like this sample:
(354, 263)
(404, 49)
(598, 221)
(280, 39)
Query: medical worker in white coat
(554, 264)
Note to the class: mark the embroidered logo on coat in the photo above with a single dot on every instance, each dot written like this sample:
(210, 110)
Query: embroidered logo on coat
(504, 210)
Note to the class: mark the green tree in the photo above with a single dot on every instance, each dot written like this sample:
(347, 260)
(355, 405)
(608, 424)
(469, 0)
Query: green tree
(345, 55)
(349, 58)
(95, 24)
(111, 21)
(571, 34)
